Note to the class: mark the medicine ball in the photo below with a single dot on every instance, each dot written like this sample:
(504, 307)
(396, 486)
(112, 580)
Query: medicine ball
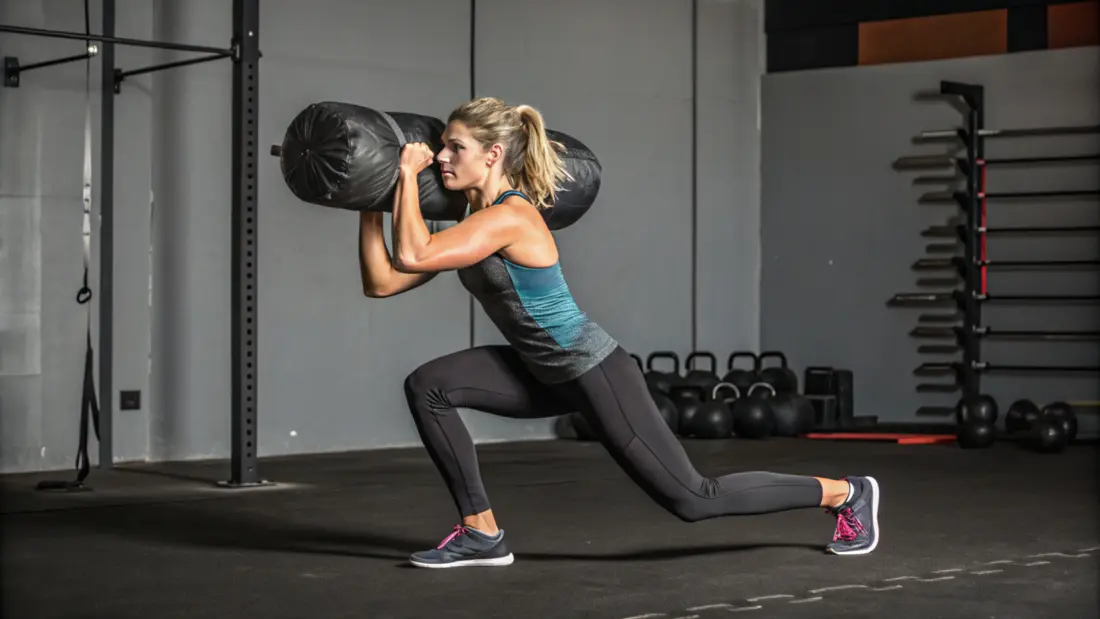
(1048, 436)
(1062, 413)
(1021, 415)
(975, 434)
(982, 409)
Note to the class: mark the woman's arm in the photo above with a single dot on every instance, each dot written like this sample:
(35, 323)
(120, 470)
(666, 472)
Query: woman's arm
(478, 236)
(380, 278)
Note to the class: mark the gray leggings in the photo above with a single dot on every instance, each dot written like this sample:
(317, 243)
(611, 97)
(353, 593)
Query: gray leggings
(614, 399)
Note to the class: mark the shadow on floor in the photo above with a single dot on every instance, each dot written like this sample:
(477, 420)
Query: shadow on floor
(224, 526)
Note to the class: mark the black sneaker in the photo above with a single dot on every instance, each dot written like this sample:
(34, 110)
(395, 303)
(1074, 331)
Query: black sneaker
(857, 519)
(465, 547)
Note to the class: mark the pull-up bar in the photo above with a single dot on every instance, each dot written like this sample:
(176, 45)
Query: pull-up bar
(80, 36)
(12, 68)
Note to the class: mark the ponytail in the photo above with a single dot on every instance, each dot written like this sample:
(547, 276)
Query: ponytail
(542, 168)
(531, 161)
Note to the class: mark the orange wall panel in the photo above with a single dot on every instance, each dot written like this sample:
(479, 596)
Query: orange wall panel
(1073, 25)
(935, 37)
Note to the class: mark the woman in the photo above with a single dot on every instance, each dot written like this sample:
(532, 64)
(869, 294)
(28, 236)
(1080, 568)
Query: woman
(557, 360)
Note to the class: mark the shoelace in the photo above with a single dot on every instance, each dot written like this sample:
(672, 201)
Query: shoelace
(848, 527)
(459, 530)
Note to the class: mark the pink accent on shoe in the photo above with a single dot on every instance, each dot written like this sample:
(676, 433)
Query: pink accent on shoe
(459, 530)
(847, 526)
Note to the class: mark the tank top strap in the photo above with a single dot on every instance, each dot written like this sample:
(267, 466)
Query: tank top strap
(510, 192)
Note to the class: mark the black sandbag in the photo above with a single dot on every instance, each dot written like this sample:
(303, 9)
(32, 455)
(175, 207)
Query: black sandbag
(577, 195)
(347, 156)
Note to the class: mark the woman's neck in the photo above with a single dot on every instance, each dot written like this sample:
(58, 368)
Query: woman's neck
(483, 197)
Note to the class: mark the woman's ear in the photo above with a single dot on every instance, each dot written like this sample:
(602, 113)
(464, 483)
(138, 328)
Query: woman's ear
(496, 151)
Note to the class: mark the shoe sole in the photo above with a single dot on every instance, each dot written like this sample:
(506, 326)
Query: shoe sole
(874, 519)
(494, 562)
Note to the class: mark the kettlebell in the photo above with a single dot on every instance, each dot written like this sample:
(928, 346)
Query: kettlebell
(753, 416)
(663, 381)
(687, 399)
(667, 409)
(706, 379)
(780, 377)
(715, 419)
(742, 378)
(794, 414)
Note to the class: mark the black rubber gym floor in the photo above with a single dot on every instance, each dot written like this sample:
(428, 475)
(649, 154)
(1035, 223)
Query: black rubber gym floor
(999, 533)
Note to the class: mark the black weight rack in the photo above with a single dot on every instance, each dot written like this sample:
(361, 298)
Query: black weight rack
(965, 291)
(244, 52)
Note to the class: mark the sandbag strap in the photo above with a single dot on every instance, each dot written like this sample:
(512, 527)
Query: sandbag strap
(401, 142)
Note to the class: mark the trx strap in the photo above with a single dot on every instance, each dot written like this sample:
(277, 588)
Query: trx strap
(89, 403)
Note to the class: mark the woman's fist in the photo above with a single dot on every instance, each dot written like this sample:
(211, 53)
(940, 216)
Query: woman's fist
(415, 156)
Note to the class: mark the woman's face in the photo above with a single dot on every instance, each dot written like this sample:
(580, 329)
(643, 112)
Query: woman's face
(463, 161)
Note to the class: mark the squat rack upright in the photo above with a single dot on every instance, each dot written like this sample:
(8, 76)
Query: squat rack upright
(244, 50)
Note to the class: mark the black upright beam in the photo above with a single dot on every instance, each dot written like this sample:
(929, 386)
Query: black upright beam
(246, 39)
(974, 96)
(107, 239)
(694, 175)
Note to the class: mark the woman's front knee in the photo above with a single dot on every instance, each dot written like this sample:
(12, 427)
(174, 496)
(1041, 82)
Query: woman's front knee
(424, 391)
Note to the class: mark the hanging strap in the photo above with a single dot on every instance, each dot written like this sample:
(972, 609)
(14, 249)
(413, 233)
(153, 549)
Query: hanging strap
(89, 403)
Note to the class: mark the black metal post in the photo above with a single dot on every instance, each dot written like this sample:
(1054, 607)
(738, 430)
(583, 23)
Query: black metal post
(246, 98)
(972, 315)
(105, 38)
(973, 95)
(107, 242)
(695, 175)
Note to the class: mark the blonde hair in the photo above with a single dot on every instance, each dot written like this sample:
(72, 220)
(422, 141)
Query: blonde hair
(531, 160)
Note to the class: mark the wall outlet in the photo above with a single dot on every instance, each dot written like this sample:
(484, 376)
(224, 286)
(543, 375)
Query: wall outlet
(129, 400)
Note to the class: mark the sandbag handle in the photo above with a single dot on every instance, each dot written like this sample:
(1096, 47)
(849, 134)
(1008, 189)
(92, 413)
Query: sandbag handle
(736, 391)
(663, 354)
(744, 353)
(688, 365)
(401, 142)
(765, 385)
(637, 360)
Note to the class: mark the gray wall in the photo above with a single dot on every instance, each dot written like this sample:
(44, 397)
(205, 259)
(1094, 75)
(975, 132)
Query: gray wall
(841, 227)
(331, 361)
(42, 328)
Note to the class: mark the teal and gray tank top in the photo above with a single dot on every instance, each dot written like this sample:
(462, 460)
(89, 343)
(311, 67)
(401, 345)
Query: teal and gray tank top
(537, 315)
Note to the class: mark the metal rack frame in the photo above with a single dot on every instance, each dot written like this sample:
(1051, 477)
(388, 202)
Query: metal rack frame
(244, 51)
